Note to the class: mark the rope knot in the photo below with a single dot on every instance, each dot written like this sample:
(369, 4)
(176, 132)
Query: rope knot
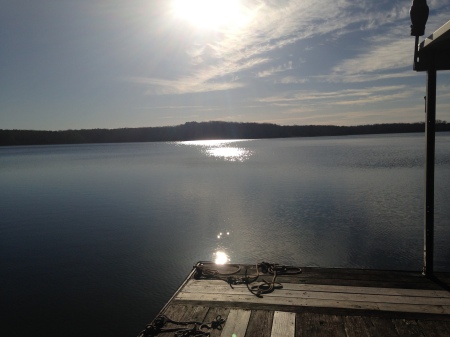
(217, 323)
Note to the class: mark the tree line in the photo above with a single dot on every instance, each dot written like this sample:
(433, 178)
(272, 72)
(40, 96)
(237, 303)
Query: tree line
(202, 131)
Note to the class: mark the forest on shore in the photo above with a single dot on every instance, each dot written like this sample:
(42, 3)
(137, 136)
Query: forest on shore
(202, 131)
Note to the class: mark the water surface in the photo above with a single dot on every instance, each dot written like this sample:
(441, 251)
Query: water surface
(95, 238)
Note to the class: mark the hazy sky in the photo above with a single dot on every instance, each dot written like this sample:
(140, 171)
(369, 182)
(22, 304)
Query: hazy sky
(80, 64)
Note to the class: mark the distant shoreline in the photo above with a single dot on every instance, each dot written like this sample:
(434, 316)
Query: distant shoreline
(202, 131)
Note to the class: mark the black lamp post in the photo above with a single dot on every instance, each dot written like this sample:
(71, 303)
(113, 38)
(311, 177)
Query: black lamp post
(419, 15)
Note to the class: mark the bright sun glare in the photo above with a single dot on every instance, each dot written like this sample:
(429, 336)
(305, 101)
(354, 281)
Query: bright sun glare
(211, 14)
(221, 257)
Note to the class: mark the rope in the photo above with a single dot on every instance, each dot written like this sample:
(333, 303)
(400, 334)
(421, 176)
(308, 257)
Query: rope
(263, 287)
(157, 327)
(202, 272)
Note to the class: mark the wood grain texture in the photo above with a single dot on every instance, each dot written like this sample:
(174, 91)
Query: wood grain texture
(317, 325)
(371, 298)
(175, 313)
(214, 313)
(433, 329)
(407, 328)
(283, 324)
(380, 326)
(355, 326)
(222, 287)
(319, 302)
(260, 323)
(236, 324)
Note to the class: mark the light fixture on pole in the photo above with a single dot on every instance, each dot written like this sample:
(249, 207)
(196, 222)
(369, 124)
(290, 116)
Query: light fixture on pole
(419, 15)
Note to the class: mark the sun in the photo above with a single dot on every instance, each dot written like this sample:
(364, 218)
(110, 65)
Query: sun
(211, 14)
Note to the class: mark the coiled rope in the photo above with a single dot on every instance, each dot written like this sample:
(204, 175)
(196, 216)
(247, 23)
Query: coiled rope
(157, 327)
(204, 272)
(263, 287)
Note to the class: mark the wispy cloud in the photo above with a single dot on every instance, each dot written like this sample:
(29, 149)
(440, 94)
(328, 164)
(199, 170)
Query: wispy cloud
(274, 70)
(343, 97)
(362, 77)
(383, 55)
(305, 116)
(182, 86)
(291, 80)
(268, 51)
(275, 25)
(211, 78)
(292, 59)
(390, 49)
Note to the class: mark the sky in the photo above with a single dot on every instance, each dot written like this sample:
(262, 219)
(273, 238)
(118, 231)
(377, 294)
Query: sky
(84, 64)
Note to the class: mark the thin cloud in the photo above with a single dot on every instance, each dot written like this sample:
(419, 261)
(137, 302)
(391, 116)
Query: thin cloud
(342, 97)
(355, 117)
(368, 99)
(390, 51)
(360, 78)
(383, 56)
(274, 70)
(291, 80)
(379, 50)
(205, 80)
(273, 27)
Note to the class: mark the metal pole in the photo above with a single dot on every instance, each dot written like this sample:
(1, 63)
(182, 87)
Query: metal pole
(416, 46)
(429, 171)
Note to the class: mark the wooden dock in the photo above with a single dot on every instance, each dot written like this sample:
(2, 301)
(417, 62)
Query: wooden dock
(314, 302)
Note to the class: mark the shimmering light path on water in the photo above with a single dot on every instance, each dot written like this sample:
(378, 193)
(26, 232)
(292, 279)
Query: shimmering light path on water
(95, 238)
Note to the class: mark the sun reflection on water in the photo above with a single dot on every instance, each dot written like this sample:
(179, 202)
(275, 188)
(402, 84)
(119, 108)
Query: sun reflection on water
(220, 257)
(229, 153)
(222, 149)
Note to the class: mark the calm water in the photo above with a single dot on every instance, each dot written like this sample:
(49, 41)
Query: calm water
(95, 238)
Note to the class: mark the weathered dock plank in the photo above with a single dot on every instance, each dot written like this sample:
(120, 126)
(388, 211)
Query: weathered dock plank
(318, 325)
(380, 326)
(283, 324)
(383, 299)
(214, 313)
(407, 328)
(218, 285)
(237, 322)
(176, 313)
(260, 323)
(355, 326)
(318, 302)
(437, 330)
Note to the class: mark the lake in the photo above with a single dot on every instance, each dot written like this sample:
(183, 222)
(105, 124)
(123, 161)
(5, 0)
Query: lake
(94, 239)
